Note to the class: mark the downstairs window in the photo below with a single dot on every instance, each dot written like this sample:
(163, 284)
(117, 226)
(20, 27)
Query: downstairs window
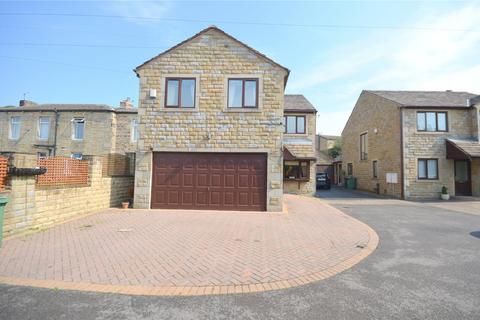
(296, 170)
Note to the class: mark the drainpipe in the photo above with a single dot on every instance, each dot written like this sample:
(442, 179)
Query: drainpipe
(402, 173)
(55, 133)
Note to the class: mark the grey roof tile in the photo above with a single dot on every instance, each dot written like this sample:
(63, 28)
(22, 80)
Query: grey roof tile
(297, 102)
(427, 98)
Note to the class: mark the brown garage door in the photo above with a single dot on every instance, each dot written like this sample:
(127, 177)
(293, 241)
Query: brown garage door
(214, 181)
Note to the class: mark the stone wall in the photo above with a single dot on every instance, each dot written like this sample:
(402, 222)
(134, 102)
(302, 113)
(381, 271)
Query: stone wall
(211, 58)
(123, 132)
(432, 145)
(31, 207)
(380, 119)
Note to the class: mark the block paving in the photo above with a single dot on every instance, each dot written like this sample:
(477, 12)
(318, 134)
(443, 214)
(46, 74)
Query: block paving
(176, 252)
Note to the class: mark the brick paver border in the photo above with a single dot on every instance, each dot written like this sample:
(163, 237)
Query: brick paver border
(207, 290)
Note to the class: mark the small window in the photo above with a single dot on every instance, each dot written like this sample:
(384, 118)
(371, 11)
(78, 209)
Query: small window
(43, 128)
(242, 93)
(349, 169)
(41, 155)
(78, 128)
(296, 170)
(428, 169)
(14, 128)
(432, 121)
(77, 156)
(180, 93)
(363, 146)
(134, 131)
(375, 168)
(294, 124)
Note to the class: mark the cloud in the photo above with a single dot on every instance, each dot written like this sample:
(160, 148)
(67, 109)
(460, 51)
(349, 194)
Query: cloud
(407, 60)
(150, 11)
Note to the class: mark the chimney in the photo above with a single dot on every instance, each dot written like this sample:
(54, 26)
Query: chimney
(27, 103)
(126, 104)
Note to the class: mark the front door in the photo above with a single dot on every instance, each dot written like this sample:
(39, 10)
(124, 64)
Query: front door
(463, 181)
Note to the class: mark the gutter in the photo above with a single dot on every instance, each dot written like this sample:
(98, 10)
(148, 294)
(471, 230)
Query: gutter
(55, 133)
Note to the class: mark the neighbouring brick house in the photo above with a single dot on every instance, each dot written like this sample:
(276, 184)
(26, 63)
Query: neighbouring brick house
(423, 140)
(211, 128)
(68, 129)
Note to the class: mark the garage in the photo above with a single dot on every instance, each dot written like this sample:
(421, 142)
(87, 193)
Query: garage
(209, 181)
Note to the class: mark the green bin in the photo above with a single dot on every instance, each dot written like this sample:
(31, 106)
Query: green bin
(351, 183)
(3, 203)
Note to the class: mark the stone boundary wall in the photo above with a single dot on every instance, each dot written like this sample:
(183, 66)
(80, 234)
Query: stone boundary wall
(31, 207)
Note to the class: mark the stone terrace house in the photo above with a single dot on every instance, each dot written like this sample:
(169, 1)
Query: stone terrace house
(423, 140)
(68, 129)
(211, 127)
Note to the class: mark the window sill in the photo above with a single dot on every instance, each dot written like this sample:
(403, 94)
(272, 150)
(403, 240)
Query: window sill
(179, 109)
(297, 179)
(427, 180)
(242, 110)
(431, 132)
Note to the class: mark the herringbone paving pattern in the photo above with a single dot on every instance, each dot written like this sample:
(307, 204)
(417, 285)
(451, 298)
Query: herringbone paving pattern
(167, 248)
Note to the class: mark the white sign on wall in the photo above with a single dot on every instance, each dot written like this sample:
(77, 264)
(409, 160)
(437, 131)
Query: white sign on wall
(392, 177)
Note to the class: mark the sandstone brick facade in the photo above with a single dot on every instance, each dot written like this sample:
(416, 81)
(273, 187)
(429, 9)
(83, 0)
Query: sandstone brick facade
(395, 142)
(105, 132)
(303, 146)
(380, 120)
(211, 58)
(32, 208)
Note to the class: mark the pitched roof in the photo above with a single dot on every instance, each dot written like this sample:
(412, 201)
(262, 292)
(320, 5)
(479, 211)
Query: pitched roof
(329, 137)
(427, 98)
(67, 107)
(298, 103)
(225, 34)
(468, 147)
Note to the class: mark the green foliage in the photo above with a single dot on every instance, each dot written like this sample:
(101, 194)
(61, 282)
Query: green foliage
(336, 150)
(444, 190)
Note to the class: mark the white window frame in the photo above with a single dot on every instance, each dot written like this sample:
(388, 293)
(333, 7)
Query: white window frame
(74, 129)
(39, 127)
(18, 122)
(134, 131)
(77, 155)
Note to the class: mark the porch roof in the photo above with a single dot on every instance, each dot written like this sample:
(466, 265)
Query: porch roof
(289, 156)
(463, 149)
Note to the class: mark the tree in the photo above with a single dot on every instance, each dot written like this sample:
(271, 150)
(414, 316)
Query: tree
(336, 150)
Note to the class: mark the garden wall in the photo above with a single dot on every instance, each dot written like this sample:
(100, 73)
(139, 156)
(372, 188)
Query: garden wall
(32, 206)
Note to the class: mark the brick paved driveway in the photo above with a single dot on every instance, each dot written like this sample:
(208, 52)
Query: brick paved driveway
(139, 250)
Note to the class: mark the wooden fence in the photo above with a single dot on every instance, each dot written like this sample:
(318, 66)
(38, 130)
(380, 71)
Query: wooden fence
(3, 172)
(63, 171)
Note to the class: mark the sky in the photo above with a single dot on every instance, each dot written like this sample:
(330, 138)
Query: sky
(84, 51)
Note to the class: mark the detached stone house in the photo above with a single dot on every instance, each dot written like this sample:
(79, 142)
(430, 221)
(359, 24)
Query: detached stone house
(409, 144)
(211, 115)
(68, 129)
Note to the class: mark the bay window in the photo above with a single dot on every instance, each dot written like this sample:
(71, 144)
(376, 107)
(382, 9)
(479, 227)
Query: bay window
(296, 170)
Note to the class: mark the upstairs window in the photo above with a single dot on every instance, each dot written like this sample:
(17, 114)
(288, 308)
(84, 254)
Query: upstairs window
(294, 124)
(243, 93)
(432, 121)
(43, 128)
(14, 132)
(134, 131)
(180, 93)
(78, 128)
(363, 146)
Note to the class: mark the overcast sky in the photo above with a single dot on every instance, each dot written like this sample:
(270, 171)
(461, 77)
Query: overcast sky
(334, 49)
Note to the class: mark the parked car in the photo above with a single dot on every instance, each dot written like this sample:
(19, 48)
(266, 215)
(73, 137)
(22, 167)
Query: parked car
(323, 181)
